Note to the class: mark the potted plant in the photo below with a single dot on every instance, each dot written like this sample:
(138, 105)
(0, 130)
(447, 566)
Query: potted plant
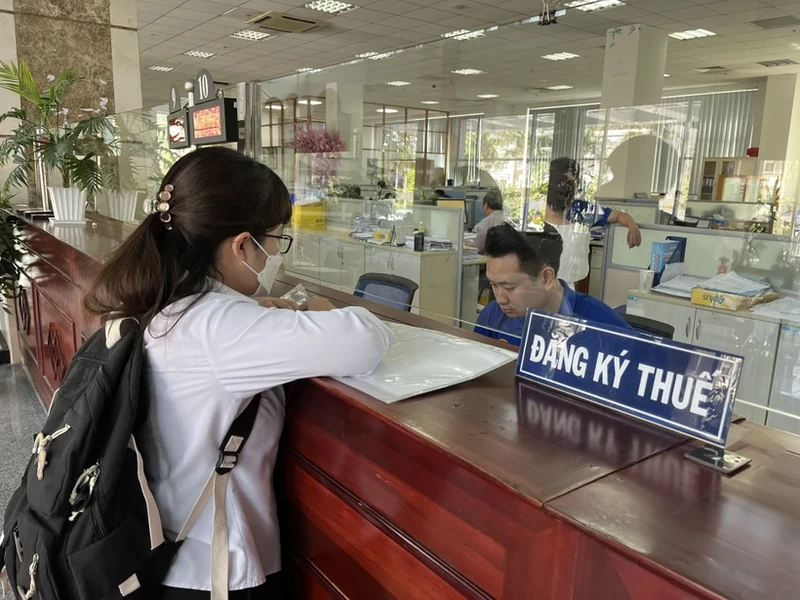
(45, 133)
(9, 252)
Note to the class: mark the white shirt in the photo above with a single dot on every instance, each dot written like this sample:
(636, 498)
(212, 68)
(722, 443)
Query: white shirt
(200, 376)
(576, 239)
(493, 219)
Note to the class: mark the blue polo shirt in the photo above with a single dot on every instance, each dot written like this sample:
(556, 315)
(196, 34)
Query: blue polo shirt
(574, 304)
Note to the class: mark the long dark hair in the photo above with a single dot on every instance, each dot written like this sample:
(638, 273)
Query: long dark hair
(561, 188)
(217, 194)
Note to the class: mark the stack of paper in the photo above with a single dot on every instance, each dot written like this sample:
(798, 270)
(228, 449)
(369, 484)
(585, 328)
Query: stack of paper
(680, 286)
(731, 283)
(787, 309)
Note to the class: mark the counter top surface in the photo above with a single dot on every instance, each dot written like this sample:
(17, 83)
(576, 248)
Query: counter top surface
(344, 236)
(738, 536)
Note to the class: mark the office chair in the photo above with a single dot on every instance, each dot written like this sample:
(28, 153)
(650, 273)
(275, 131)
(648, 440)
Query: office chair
(390, 290)
(649, 326)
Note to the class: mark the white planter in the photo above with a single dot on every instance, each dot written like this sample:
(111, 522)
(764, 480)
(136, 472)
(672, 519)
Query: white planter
(122, 205)
(69, 204)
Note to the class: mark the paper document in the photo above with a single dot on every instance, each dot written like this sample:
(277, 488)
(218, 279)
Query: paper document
(787, 309)
(680, 286)
(731, 283)
(422, 361)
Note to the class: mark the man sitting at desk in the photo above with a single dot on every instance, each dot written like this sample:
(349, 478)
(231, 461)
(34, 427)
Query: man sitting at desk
(522, 279)
(492, 217)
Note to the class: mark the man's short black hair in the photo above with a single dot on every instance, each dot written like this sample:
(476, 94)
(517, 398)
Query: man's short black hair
(494, 199)
(503, 240)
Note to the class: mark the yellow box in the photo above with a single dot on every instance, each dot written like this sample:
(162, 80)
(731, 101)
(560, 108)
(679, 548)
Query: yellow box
(309, 217)
(726, 301)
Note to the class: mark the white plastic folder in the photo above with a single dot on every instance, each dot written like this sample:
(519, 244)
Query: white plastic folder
(422, 361)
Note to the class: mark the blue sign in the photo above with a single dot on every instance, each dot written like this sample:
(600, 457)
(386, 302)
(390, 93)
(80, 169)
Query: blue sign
(676, 386)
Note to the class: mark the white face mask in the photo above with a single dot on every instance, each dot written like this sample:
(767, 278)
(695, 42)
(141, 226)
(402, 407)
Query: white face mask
(267, 275)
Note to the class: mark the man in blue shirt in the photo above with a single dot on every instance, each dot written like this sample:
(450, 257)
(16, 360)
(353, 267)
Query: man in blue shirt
(522, 279)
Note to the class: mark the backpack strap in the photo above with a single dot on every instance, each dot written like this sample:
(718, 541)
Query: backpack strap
(217, 486)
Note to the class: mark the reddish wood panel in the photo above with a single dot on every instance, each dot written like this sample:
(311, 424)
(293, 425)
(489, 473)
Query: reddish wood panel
(303, 582)
(27, 318)
(473, 524)
(358, 558)
(58, 334)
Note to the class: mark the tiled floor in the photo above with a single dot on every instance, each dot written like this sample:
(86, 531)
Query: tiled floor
(21, 418)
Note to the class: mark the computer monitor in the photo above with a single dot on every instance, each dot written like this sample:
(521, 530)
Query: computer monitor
(453, 203)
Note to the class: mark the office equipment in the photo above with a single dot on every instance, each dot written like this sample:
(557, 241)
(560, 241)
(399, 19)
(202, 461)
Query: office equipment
(453, 203)
(649, 326)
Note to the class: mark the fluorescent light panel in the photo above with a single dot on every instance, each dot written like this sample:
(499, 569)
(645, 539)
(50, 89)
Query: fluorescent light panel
(332, 7)
(198, 54)
(311, 102)
(535, 19)
(593, 5)
(691, 34)
(250, 35)
(398, 83)
(464, 34)
(488, 96)
(467, 72)
(430, 102)
(559, 88)
(561, 56)
(366, 54)
(386, 110)
(160, 68)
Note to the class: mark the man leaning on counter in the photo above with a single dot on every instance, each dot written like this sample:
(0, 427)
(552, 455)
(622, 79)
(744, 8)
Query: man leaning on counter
(522, 279)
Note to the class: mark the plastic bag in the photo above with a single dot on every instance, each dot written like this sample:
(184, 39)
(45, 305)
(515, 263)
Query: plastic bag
(298, 295)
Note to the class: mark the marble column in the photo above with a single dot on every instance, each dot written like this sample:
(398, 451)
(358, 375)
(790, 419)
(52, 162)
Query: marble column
(98, 38)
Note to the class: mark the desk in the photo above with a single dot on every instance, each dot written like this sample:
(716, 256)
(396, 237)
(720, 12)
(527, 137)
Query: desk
(492, 489)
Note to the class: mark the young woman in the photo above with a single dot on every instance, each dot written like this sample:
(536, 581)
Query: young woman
(189, 273)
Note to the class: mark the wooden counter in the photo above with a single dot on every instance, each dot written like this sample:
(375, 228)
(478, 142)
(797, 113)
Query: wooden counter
(492, 489)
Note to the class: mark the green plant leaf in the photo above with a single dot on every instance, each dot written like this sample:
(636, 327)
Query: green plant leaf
(18, 79)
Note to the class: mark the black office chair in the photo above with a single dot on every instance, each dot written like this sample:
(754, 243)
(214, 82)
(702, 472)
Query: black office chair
(649, 326)
(390, 290)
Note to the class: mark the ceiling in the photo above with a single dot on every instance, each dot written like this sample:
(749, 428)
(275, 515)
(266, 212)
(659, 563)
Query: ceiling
(510, 56)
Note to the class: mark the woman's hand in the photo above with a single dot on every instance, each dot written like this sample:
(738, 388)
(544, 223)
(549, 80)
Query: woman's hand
(268, 302)
(634, 236)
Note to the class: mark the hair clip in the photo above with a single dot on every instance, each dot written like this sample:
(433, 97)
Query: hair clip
(160, 205)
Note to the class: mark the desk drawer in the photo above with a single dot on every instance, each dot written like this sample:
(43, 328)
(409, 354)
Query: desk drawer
(25, 312)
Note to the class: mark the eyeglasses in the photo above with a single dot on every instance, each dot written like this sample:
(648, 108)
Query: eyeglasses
(284, 242)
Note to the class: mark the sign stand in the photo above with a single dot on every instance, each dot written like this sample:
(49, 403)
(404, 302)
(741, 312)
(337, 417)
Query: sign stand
(718, 459)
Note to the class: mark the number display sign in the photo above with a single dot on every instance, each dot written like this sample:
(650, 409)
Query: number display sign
(679, 387)
(204, 87)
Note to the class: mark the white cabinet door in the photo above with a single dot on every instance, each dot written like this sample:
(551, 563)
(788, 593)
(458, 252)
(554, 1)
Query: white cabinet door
(330, 262)
(756, 341)
(680, 317)
(785, 394)
(406, 265)
(353, 265)
(378, 260)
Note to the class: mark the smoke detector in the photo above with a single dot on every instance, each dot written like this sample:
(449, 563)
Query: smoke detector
(282, 23)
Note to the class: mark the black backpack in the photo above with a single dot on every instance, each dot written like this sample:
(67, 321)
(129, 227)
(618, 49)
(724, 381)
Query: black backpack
(83, 525)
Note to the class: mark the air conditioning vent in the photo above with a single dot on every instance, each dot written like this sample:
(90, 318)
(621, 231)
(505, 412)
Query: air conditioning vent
(781, 62)
(777, 23)
(273, 21)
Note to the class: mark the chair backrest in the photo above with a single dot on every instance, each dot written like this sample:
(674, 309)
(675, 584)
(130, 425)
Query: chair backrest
(390, 290)
(649, 326)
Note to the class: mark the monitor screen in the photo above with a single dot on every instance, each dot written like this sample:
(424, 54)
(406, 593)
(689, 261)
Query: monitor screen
(207, 123)
(178, 136)
(452, 203)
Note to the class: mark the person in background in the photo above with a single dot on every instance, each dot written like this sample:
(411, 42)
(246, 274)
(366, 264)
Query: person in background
(573, 219)
(439, 194)
(492, 217)
(522, 279)
(197, 276)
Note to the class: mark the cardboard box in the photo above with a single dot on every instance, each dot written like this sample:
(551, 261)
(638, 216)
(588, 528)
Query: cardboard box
(728, 301)
(309, 217)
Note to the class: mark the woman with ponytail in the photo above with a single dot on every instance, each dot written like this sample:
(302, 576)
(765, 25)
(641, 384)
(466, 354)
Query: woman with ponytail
(189, 274)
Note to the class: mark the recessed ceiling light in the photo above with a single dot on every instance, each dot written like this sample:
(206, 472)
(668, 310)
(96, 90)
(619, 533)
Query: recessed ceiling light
(249, 34)
(160, 68)
(691, 34)
(431, 102)
(366, 54)
(398, 83)
(592, 5)
(308, 70)
(463, 34)
(311, 102)
(488, 96)
(561, 56)
(386, 110)
(275, 106)
(667, 75)
(559, 88)
(332, 7)
(381, 56)
(198, 54)
(467, 72)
